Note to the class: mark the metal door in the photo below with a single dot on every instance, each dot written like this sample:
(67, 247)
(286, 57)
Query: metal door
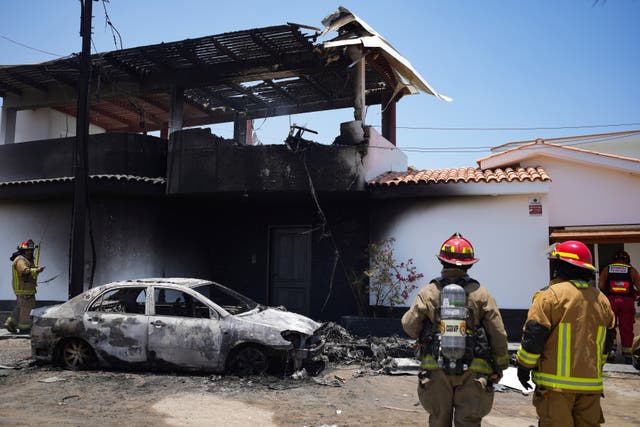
(290, 268)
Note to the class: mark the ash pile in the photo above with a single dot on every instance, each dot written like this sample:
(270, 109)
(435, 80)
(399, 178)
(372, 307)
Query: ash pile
(374, 354)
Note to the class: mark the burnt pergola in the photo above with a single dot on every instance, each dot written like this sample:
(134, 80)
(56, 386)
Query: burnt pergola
(235, 76)
(257, 73)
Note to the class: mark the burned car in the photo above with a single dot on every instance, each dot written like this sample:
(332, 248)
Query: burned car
(177, 324)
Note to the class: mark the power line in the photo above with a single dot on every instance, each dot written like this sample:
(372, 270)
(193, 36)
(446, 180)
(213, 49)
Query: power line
(30, 47)
(513, 128)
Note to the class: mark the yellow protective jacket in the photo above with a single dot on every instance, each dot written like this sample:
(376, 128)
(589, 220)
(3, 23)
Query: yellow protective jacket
(25, 276)
(563, 338)
(485, 313)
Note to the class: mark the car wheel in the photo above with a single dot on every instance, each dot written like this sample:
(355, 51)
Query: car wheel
(77, 355)
(248, 361)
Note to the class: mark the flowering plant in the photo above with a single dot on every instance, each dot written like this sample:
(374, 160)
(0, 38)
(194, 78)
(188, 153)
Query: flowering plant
(390, 282)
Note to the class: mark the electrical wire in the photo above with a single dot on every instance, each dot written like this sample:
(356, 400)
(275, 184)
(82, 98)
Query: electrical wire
(30, 47)
(114, 30)
(511, 128)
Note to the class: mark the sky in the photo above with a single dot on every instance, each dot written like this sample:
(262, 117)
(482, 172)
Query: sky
(516, 70)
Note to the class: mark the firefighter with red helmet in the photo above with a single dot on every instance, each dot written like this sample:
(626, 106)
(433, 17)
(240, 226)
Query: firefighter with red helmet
(25, 280)
(565, 339)
(620, 282)
(462, 340)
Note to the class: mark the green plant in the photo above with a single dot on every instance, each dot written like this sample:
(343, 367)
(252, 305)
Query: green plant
(390, 281)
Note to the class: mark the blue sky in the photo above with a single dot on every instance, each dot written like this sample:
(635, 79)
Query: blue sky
(507, 64)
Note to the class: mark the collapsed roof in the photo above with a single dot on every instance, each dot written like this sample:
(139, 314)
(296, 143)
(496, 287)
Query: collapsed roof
(261, 72)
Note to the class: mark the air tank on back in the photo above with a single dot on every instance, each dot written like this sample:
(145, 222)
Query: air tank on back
(453, 322)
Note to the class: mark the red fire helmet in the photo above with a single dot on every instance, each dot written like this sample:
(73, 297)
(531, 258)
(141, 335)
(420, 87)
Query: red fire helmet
(573, 252)
(457, 250)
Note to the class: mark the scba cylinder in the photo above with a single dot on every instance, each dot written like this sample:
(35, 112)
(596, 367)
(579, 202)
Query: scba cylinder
(453, 322)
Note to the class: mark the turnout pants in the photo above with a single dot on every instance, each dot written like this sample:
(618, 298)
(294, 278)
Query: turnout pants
(625, 311)
(19, 318)
(463, 399)
(567, 409)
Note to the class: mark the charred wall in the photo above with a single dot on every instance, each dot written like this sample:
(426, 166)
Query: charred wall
(123, 154)
(199, 162)
(228, 241)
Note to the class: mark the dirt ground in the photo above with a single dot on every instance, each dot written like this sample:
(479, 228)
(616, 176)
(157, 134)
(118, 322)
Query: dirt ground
(44, 395)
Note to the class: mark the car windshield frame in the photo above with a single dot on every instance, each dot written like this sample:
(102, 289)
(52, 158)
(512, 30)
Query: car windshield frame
(244, 303)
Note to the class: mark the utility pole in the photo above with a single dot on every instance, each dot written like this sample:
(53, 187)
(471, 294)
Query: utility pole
(80, 158)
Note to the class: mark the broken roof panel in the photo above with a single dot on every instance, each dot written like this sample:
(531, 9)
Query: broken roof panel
(354, 31)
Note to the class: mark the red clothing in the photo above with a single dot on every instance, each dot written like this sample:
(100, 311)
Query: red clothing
(623, 306)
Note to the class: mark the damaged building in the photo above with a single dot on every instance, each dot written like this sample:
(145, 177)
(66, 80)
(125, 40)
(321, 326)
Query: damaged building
(285, 224)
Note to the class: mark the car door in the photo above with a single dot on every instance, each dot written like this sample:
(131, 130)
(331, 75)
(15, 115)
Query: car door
(183, 331)
(116, 325)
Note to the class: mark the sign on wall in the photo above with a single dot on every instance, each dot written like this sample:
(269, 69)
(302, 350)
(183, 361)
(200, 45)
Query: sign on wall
(535, 206)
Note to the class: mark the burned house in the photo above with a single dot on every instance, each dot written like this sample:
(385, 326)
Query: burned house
(285, 224)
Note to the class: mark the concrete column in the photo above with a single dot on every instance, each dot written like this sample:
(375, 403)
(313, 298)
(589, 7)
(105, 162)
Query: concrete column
(240, 128)
(8, 125)
(355, 54)
(389, 119)
(176, 109)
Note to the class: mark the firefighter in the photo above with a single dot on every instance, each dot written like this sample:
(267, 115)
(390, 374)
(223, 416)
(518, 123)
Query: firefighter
(620, 281)
(450, 389)
(25, 280)
(565, 340)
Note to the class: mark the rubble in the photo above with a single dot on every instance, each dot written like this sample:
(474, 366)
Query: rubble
(374, 354)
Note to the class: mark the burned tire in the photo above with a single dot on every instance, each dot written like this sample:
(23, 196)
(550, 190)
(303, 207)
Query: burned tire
(77, 355)
(247, 361)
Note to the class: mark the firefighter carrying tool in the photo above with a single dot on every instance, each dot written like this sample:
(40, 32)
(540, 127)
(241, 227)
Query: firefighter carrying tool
(565, 340)
(620, 281)
(462, 340)
(25, 281)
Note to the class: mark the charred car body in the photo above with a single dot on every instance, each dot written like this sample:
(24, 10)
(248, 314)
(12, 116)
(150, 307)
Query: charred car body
(185, 324)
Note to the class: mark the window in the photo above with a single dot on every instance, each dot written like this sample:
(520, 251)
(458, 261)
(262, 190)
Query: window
(173, 302)
(121, 300)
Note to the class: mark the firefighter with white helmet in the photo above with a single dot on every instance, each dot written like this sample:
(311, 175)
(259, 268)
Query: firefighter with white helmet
(25, 280)
(565, 341)
(463, 342)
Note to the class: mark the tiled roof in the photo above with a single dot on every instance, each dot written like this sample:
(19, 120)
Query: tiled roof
(128, 178)
(461, 175)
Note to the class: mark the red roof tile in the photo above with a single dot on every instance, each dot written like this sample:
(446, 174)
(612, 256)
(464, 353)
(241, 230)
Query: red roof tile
(461, 175)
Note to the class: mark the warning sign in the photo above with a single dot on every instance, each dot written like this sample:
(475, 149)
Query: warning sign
(535, 206)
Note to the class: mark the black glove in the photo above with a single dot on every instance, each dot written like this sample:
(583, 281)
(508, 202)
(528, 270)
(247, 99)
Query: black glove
(523, 376)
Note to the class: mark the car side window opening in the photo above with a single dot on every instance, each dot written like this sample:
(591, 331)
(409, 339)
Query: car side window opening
(122, 300)
(172, 302)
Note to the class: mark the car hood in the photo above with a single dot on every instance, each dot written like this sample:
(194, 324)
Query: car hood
(282, 320)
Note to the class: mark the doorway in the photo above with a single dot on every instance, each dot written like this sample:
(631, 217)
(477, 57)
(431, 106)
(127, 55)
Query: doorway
(290, 268)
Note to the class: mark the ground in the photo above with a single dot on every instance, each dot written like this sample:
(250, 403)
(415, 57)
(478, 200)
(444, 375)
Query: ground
(341, 395)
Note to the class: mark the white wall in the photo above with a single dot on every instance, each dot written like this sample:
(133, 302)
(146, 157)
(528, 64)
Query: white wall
(46, 223)
(588, 195)
(45, 123)
(125, 237)
(382, 156)
(510, 244)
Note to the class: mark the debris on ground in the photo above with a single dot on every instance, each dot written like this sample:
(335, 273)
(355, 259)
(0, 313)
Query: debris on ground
(371, 353)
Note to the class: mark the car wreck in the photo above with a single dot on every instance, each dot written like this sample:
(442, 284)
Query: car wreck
(175, 324)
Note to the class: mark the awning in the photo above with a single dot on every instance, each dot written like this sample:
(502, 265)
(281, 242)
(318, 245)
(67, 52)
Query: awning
(597, 234)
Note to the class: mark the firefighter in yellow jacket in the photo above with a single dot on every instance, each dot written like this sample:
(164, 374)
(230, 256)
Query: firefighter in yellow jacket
(25, 280)
(463, 342)
(565, 342)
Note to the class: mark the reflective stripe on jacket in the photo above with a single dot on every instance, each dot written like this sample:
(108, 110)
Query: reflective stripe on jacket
(576, 317)
(485, 313)
(25, 276)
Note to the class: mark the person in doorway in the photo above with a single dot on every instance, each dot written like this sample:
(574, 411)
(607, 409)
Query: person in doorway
(620, 282)
(565, 339)
(456, 381)
(25, 281)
